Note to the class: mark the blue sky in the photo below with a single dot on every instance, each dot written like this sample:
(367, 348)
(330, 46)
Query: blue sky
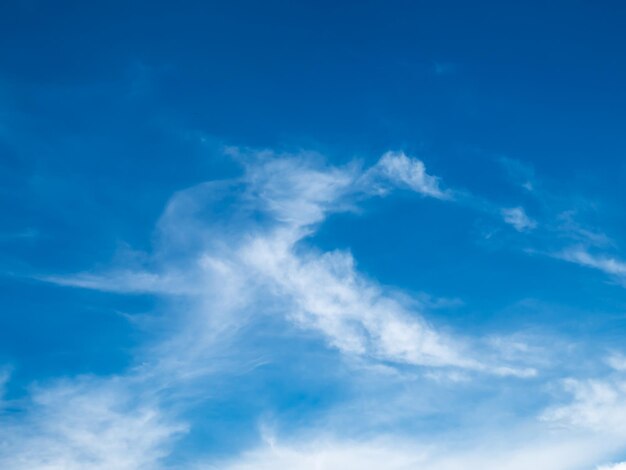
(312, 235)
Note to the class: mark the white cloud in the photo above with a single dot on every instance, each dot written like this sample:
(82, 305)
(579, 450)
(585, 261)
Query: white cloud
(580, 433)
(329, 456)
(597, 404)
(617, 361)
(517, 452)
(124, 281)
(402, 170)
(299, 191)
(613, 466)
(516, 217)
(238, 252)
(606, 264)
(256, 242)
(87, 423)
(324, 292)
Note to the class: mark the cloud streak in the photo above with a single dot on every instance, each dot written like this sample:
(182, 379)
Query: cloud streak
(517, 218)
(403, 171)
(607, 264)
(258, 243)
(234, 256)
(87, 423)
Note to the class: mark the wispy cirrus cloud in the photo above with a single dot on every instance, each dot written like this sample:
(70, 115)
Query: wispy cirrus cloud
(589, 236)
(233, 256)
(517, 218)
(612, 266)
(90, 423)
(584, 429)
(561, 225)
(237, 252)
(402, 171)
(268, 255)
(597, 404)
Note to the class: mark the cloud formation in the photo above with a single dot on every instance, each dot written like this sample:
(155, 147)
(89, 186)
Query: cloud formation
(607, 264)
(404, 171)
(87, 423)
(517, 218)
(539, 451)
(234, 256)
(258, 243)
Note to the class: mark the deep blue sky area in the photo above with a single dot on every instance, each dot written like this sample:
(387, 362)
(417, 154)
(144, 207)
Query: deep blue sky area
(424, 238)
